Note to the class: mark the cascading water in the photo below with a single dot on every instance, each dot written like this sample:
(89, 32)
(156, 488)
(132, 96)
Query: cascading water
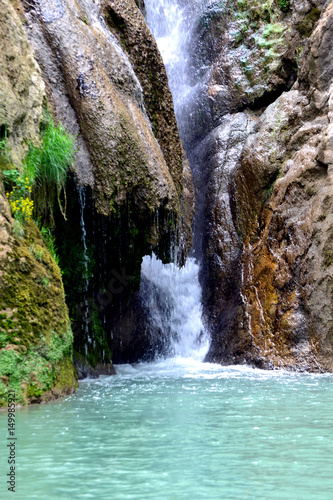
(179, 312)
(173, 295)
(172, 23)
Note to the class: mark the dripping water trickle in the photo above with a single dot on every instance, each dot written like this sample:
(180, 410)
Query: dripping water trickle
(85, 288)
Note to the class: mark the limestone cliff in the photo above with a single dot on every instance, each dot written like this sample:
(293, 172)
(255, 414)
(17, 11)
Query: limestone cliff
(96, 67)
(36, 341)
(266, 73)
(287, 256)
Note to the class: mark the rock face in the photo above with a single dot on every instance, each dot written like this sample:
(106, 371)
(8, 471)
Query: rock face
(36, 341)
(259, 141)
(88, 65)
(265, 226)
(21, 88)
(287, 256)
(130, 192)
(244, 54)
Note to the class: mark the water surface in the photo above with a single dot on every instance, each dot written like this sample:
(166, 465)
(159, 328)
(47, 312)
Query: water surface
(179, 429)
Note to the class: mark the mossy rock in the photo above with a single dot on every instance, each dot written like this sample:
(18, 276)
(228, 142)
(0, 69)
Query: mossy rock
(305, 28)
(22, 87)
(36, 340)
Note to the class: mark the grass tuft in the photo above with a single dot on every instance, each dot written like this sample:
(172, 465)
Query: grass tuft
(48, 166)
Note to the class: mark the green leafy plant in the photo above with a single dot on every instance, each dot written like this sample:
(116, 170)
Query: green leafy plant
(284, 5)
(18, 192)
(4, 158)
(272, 36)
(49, 241)
(48, 166)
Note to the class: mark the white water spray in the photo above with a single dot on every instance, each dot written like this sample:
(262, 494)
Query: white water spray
(172, 23)
(180, 311)
(173, 295)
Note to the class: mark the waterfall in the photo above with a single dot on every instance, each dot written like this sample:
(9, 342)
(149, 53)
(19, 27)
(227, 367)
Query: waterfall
(180, 311)
(172, 295)
(172, 23)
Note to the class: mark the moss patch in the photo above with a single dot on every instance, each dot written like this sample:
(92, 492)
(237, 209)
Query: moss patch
(35, 336)
(305, 28)
(42, 367)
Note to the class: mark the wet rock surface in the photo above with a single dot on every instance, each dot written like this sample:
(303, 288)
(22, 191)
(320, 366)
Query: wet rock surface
(257, 126)
(280, 315)
(96, 66)
(36, 340)
(108, 85)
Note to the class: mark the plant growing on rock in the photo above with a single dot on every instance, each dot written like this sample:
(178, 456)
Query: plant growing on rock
(284, 5)
(47, 167)
(45, 173)
(49, 241)
(18, 194)
(4, 159)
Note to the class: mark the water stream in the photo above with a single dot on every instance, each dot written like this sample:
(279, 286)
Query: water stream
(173, 300)
(173, 295)
(82, 200)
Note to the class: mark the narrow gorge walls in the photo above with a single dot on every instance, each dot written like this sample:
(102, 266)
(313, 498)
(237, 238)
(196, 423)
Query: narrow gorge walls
(107, 84)
(252, 95)
(288, 243)
(251, 87)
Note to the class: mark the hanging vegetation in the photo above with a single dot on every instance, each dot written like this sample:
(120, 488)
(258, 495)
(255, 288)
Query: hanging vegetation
(47, 168)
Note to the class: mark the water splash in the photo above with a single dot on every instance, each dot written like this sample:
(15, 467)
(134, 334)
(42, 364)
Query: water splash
(180, 310)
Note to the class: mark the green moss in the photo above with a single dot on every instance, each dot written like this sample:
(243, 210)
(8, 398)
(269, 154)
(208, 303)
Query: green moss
(35, 333)
(273, 30)
(305, 28)
(35, 371)
(254, 10)
(272, 36)
(37, 251)
(18, 229)
(100, 337)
